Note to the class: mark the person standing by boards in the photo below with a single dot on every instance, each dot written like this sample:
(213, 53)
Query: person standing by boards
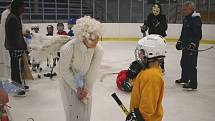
(191, 35)
(14, 41)
(156, 23)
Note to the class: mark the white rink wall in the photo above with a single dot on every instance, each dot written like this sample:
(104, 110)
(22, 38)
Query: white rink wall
(132, 30)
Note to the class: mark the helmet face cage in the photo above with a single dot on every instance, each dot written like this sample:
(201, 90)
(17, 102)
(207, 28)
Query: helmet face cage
(141, 55)
(35, 27)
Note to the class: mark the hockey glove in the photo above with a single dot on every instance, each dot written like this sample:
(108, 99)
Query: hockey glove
(179, 45)
(191, 47)
(131, 117)
(127, 85)
(135, 116)
(144, 28)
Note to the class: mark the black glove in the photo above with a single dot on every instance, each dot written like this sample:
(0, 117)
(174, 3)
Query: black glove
(131, 117)
(191, 47)
(135, 116)
(144, 28)
(179, 45)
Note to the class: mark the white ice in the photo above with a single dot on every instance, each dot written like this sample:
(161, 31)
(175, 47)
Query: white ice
(43, 102)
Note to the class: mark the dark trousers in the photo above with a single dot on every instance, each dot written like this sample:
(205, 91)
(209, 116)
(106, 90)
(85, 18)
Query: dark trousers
(15, 67)
(189, 68)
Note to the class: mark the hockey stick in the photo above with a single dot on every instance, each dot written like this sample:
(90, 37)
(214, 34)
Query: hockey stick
(201, 50)
(106, 74)
(133, 116)
(206, 49)
(119, 102)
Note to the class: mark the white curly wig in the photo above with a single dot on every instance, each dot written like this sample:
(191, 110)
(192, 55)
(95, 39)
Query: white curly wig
(86, 27)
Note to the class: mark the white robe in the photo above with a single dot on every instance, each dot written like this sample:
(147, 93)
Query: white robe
(4, 54)
(82, 60)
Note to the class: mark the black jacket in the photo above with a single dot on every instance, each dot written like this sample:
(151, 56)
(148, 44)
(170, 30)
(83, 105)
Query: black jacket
(191, 30)
(157, 24)
(13, 29)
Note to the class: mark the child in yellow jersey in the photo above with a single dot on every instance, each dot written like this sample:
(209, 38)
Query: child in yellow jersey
(148, 88)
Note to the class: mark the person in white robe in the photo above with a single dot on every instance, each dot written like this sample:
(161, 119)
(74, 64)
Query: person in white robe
(78, 68)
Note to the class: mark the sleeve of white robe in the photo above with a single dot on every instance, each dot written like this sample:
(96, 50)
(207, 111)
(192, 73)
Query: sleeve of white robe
(64, 64)
(92, 74)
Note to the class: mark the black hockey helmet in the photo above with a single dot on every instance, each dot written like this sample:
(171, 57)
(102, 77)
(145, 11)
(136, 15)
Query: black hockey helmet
(50, 26)
(60, 24)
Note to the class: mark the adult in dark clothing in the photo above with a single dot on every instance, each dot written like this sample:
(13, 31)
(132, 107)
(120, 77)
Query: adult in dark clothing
(156, 23)
(14, 41)
(191, 34)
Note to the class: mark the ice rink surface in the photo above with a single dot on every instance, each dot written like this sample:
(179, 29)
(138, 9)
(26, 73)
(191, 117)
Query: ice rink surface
(43, 102)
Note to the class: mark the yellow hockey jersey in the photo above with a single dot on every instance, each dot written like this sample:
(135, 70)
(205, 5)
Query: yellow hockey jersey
(147, 94)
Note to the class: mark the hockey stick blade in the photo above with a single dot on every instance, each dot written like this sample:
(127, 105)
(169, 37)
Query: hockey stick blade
(106, 74)
(206, 49)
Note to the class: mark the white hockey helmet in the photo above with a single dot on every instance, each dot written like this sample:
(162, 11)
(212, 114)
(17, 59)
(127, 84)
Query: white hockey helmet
(34, 26)
(150, 48)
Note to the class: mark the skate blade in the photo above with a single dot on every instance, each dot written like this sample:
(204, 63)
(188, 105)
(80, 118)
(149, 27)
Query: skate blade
(180, 83)
(20, 95)
(189, 89)
(27, 90)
